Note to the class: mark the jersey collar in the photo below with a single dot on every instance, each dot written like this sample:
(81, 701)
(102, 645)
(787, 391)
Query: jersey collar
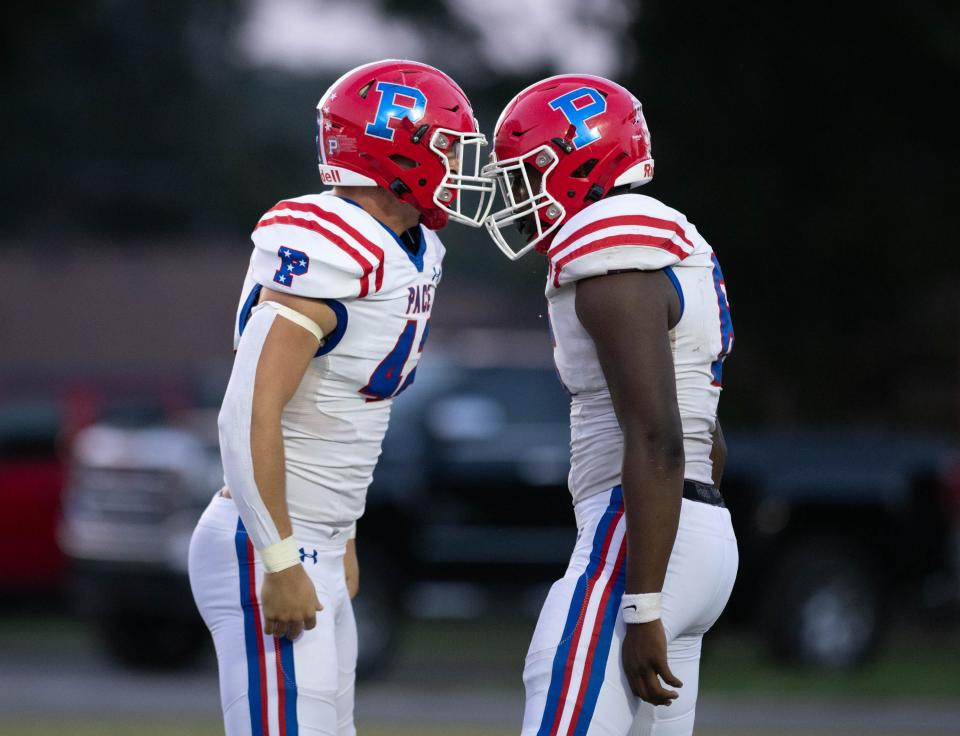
(415, 258)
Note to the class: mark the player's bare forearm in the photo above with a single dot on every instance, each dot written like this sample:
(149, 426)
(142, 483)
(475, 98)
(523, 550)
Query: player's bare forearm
(629, 316)
(286, 353)
(288, 597)
(652, 484)
(266, 445)
(283, 361)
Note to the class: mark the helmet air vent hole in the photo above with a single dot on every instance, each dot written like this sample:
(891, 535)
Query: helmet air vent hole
(583, 171)
(403, 162)
(365, 89)
(423, 183)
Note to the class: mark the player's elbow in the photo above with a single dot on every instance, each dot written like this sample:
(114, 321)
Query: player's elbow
(265, 410)
(241, 418)
(230, 420)
(660, 443)
(669, 454)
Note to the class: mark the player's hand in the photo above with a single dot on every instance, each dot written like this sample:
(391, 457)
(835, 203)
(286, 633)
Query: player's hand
(645, 663)
(289, 601)
(351, 568)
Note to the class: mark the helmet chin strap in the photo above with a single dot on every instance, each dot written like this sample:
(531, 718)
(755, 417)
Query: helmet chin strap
(598, 189)
(433, 218)
(400, 189)
(543, 246)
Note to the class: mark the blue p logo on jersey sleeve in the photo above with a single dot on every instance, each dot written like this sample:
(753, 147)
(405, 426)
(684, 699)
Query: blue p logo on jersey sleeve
(292, 263)
(578, 115)
(397, 101)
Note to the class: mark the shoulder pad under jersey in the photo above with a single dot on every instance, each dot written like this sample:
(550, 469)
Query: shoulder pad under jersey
(625, 232)
(434, 242)
(318, 246)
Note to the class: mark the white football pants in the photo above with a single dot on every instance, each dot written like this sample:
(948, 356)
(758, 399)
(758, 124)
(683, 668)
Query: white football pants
(271, 686)
(573, 674)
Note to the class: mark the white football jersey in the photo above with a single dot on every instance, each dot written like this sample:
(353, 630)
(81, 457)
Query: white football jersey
(326, 247)
(636, 232)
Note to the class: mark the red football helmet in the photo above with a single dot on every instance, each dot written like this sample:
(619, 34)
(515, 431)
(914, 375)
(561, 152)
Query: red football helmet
(398, 124)
(582, 135)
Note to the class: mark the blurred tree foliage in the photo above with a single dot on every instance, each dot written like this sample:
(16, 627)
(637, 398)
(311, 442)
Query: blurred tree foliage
(812, 147)
(128, 118)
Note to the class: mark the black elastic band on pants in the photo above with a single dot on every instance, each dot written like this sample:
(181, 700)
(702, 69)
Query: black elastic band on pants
(703, 493)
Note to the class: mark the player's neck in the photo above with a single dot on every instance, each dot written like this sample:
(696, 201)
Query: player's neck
(396, 215)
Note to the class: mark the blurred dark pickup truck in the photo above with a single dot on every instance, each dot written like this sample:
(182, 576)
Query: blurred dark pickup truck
(469, 513)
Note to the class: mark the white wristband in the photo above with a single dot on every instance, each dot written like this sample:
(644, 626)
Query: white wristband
(640, 608)
(281, 555)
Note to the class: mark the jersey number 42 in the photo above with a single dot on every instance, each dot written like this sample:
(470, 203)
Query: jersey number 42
(386, 378)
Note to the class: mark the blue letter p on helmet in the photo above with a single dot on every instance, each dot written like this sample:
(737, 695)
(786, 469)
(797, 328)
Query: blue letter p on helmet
(393, 107)
(579, 115)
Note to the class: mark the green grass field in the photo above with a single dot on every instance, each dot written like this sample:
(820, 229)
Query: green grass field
(175, 728)
(914, 666)
(911, 667)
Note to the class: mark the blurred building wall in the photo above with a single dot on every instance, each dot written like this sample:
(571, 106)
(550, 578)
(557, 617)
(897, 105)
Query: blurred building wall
(143, 307)
(164, 306)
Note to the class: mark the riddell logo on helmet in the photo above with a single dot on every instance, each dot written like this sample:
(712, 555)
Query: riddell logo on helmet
(330, 177)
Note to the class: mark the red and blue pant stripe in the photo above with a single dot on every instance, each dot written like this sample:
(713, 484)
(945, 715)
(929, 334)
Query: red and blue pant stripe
(600, 627)
(257, 686)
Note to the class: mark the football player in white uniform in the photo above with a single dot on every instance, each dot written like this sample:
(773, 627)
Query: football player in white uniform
(641, 326)
(332, 320)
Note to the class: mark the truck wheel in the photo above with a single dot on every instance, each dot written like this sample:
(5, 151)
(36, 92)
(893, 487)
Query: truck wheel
(378, 609)
(151, 644)
(824, 607)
